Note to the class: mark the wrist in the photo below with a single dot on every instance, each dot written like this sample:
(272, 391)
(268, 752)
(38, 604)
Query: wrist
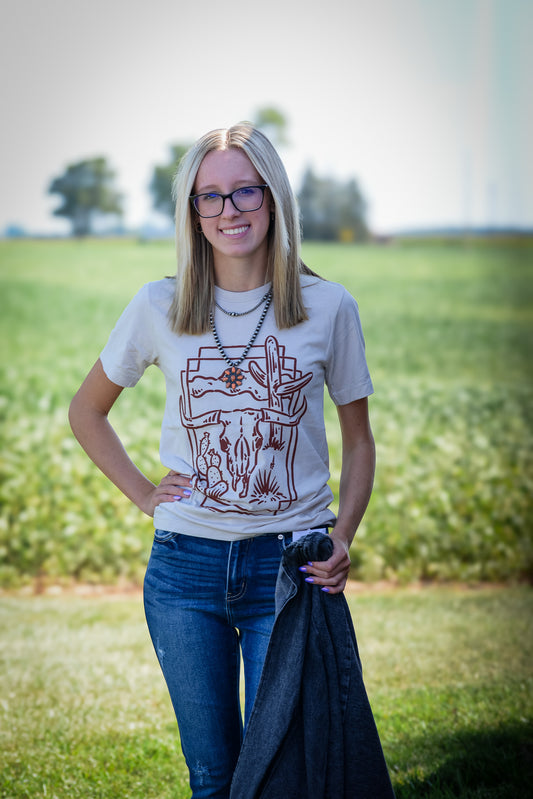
(343, 535)
(144, 498)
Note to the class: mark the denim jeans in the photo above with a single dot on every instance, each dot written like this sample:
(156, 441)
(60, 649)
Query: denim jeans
(205, 601)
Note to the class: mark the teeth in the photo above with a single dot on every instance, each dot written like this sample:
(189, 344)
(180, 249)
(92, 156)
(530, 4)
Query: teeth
(234, 231)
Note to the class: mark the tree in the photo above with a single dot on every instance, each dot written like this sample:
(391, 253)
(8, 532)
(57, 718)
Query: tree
(88, 192)
(161, 183)
(273, 123)
(332, 210)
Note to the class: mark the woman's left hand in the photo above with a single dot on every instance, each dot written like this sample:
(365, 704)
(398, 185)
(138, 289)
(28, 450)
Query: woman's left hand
(330, 574)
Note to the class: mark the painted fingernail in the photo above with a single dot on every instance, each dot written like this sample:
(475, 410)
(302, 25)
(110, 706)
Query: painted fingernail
(187, 492)
(303, 568)
(309, 580)
(177, 498)
(309, 562)
(326, 589)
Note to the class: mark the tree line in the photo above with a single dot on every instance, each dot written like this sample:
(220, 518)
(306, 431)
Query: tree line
(331, 210)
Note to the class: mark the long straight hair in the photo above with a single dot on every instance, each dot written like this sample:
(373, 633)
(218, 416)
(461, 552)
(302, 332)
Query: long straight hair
(194, 290)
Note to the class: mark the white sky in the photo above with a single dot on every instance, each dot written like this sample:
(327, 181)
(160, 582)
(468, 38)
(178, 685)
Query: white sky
(427, 102)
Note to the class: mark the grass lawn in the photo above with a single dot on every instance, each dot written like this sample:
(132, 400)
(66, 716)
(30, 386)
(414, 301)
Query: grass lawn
(85, 712)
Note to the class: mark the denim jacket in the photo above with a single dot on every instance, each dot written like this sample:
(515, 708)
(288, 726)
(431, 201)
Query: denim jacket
(311, 733)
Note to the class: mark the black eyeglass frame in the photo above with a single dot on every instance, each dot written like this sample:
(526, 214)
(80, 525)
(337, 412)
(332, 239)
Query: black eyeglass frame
(224, 197)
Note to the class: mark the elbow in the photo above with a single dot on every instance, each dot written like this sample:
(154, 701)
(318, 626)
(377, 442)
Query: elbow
(74, 413)
(80, 414)
(372, 445)
(92, 402)
(371, 456)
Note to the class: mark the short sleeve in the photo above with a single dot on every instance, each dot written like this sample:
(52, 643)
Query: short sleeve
(130, 347)
(347, 375)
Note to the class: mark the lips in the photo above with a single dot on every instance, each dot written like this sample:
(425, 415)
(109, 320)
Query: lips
(235, 231)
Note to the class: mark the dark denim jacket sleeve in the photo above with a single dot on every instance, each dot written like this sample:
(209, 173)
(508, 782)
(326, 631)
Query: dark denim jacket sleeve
(311, 733)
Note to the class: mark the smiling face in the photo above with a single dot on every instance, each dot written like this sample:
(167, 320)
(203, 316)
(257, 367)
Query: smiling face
(237, 237)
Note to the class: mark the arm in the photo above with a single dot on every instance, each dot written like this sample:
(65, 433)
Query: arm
(357, 477)
(88, 418)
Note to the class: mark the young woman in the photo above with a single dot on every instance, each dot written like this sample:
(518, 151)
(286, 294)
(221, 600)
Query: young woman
(246, 337)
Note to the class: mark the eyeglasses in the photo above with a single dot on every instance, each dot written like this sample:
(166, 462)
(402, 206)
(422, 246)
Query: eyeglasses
(249, 198)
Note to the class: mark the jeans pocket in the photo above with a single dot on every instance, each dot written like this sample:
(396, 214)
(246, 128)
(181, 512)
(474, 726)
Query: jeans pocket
(163, 536)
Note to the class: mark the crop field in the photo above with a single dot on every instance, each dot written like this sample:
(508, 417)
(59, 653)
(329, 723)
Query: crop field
(449, 333)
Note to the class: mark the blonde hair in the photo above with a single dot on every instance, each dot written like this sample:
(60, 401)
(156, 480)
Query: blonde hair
(194, 290)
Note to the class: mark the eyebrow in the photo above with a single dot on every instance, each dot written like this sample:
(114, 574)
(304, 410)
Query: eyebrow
(239, 184)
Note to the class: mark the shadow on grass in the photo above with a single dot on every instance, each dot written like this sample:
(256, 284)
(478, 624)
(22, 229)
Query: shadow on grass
(485, 764)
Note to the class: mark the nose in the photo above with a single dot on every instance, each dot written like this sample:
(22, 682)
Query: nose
(228, 209)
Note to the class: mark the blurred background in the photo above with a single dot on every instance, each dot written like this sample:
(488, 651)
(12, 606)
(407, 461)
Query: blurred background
(427, 105)
(406, 128)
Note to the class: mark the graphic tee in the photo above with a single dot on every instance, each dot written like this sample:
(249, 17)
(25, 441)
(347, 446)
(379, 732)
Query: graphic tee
(254, 441)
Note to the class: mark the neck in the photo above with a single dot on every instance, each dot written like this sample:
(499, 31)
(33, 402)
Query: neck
(239, 274)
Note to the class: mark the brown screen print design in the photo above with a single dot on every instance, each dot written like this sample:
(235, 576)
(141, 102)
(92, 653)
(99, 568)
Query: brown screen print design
(244, 445)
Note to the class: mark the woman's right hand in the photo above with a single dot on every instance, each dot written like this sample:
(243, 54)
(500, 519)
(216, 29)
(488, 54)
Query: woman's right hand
(173, 487)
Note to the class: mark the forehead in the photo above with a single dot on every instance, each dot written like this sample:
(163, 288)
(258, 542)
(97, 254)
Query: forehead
(220, 167)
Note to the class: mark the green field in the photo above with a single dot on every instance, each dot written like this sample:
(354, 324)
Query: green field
(449, 331)
(85, 713)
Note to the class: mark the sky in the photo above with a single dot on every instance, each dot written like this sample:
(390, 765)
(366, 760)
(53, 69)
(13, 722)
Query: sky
(427, 103)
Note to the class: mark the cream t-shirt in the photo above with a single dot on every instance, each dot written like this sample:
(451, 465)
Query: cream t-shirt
(254, 442)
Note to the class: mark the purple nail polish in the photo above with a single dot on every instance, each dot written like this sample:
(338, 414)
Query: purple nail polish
(309, 562)
(177, 498)
(303, 568)
(309, 580)
(187, 492)
(326, 589)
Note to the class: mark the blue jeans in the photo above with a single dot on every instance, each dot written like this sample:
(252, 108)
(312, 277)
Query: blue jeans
(204, 601)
